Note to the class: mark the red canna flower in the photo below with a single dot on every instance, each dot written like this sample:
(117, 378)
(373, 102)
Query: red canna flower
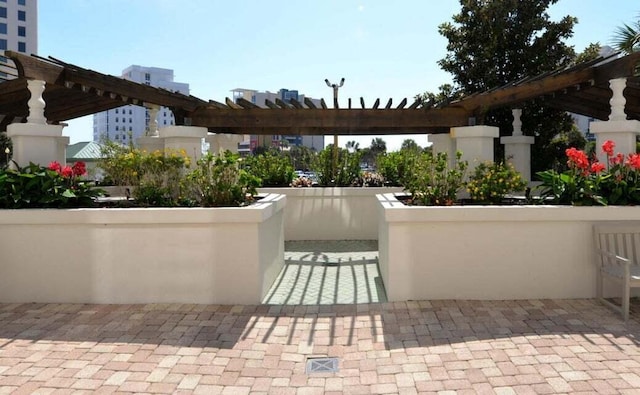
(577, 159)
(67, 172)
(608, 147)
(634, 161)
(79, 169)
(616, 160)
(55, 166)
(597, 167)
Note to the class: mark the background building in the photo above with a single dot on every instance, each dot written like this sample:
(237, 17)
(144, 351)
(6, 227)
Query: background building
(18, 29)
(125, 124)
(258, 98)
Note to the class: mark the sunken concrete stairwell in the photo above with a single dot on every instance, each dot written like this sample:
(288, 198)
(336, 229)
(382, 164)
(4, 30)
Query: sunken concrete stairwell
(328, 272)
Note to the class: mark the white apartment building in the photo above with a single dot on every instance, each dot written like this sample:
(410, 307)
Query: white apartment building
(125, 124)
(258, 98)
(18, 29)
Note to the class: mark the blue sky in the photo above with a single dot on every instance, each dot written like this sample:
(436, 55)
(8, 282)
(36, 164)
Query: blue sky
(384, 49)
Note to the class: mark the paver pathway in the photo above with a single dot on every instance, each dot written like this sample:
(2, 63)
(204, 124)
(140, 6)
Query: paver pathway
(328, 272)
(447, 347)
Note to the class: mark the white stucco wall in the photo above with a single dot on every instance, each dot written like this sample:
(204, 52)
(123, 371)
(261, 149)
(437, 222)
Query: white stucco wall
(152, 255)
(490, 252)
(340, 213)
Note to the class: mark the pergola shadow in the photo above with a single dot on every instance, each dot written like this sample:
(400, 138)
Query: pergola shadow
(439, 325)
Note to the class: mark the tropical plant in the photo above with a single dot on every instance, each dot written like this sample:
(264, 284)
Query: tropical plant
(218, 181)
(589, 182)
(272, 167)
(492, 181)
(626, 38)
(432, 182)
(55, 186)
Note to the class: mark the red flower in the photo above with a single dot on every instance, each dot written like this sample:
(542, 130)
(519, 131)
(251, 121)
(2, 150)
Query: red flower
(577, 158)
(79, 169)
(67, 172)
(616, 160)
(597, 167)
(634, 161)
(608, 147)
(55, 166)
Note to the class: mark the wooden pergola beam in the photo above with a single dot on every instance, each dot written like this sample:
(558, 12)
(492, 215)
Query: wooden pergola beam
(341, 121)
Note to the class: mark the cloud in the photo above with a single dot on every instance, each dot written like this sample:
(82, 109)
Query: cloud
(360, 8)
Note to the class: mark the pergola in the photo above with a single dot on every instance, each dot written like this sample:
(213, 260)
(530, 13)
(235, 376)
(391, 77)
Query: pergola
(72, 91)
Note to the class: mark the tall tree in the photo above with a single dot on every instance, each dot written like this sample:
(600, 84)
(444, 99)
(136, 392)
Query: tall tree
(627, 37)
(495, 42)
(378, 146)
(409, 145)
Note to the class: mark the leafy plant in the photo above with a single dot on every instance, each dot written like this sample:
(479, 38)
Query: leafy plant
(347, 172)
(218, 181)
(394, 166)
(272, 168)
(491, 182)
(154, 176)
(589, 182)
(432, 182)
(55, 186)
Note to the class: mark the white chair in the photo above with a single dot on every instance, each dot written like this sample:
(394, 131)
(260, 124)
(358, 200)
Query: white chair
(617, 251)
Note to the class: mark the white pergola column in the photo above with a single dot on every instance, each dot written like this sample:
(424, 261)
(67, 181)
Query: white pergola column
(188, 138)
(222, 141)
(35, 141)
(621, 131)
(517, 147)
(475, 143)
(443, 143)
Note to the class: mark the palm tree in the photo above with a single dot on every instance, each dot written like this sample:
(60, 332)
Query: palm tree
(352, 146)
(626, 38)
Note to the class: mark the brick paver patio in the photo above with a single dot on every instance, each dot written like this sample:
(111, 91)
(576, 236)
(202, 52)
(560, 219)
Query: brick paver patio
(536, 346)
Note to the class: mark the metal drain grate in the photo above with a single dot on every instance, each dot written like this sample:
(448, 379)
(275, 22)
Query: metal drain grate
(322, 365)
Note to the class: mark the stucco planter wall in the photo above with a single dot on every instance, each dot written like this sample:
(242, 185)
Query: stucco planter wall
(339, 213)
(489, 252)
(150, 255)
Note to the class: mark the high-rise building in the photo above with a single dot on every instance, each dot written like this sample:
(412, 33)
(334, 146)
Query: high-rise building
(18, 29)
(258, 98)
(125, 124)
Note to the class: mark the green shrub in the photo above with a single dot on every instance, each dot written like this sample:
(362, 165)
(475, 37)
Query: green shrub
(432, 182)
(347, 172)
(491, 182)
(218, 181)
(394, 166)
(272, 168)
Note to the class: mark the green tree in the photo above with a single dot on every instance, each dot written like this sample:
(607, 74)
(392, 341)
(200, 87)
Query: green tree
(495, 42)
(409, 145)
(627, 37)
(352, 146)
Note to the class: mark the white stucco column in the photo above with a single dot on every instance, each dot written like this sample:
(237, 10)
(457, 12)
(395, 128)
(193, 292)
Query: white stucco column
(151, 141)
(517, 147)
(443, 143)
(35, 141)
(621, 131)
(222, 141)
(188, 138)
(475, 143)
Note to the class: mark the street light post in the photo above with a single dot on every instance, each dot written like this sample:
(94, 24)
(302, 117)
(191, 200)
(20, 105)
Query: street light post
(335, 136)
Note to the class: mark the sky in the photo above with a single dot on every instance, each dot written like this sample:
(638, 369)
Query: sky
(384, 49)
